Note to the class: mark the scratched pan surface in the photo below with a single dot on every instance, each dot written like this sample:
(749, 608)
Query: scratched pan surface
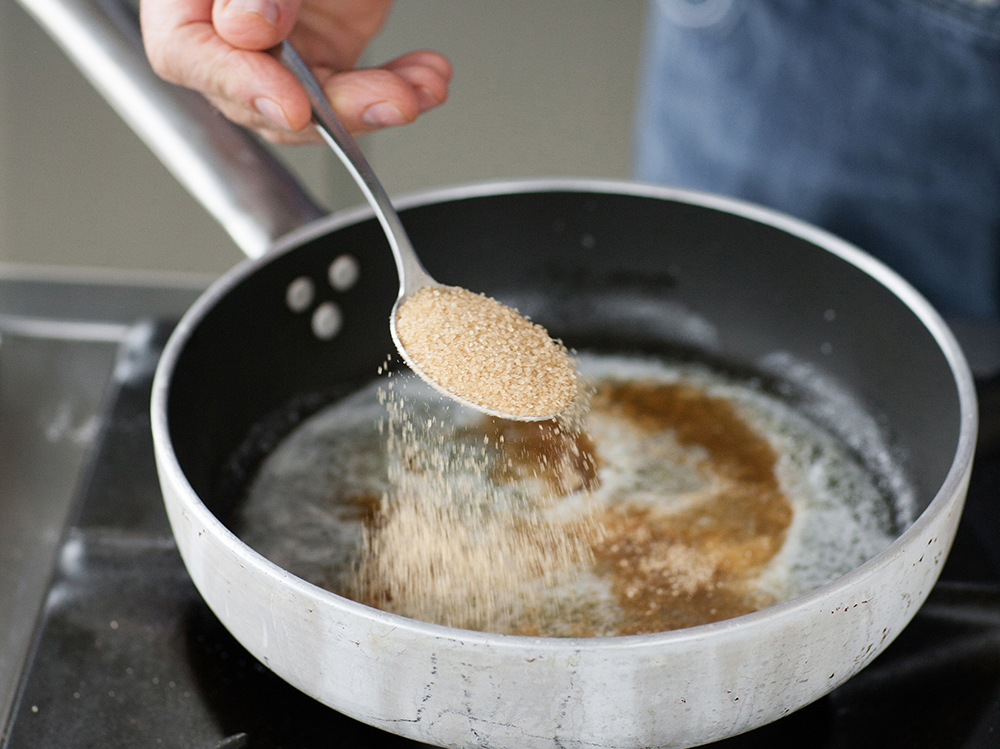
(636, 267)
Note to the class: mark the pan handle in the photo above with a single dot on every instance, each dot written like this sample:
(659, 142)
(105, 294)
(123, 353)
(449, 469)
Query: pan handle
(238, 181)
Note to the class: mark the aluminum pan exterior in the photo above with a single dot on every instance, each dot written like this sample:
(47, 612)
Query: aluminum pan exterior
(457, 688)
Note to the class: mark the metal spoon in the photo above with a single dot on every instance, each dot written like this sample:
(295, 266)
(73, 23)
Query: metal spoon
(412, 275)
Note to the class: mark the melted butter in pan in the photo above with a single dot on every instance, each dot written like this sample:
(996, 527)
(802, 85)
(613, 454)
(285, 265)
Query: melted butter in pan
(688, 498)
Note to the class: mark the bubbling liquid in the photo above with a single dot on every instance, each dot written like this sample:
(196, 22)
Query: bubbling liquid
(686, 496)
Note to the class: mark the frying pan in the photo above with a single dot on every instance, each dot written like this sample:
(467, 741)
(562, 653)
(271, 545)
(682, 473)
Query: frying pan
(622, 266)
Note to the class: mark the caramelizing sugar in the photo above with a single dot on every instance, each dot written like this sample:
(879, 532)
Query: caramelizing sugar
(687, 498)
(485, 352)
(691, 566)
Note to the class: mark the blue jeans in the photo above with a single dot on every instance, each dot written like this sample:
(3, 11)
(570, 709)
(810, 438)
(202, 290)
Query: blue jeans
(878, 120)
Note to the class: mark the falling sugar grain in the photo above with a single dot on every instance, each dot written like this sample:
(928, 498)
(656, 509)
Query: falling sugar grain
(446, 544)
(486, 353)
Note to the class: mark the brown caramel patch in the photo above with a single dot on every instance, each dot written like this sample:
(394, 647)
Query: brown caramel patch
(671, 570)
(364, 508)
(562, 458)
(668, 569)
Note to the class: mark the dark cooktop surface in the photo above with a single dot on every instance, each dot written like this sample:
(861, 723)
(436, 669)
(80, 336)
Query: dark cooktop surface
(126, 654)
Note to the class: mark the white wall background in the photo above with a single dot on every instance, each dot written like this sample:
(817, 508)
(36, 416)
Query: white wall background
(541, 87)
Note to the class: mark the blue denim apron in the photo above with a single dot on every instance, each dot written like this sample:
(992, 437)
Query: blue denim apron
(876, 119)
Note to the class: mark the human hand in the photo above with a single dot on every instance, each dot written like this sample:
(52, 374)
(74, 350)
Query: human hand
(221, 49)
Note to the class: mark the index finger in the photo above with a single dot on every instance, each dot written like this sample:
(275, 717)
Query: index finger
(184, 48)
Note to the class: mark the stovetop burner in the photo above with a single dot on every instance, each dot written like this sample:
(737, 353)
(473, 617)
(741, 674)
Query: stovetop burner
(127, 654)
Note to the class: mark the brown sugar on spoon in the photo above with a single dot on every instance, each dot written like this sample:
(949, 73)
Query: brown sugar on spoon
(486, 353)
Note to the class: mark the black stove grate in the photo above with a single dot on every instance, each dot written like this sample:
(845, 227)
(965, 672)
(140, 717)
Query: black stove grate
(128, 655)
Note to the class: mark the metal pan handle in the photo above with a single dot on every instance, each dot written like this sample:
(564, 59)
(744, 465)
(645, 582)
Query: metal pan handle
(238, 181)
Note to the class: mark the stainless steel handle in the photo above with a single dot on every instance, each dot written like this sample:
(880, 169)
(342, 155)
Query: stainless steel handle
(238, 181)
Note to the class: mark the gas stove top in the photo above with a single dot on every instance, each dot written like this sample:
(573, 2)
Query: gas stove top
(124, 653)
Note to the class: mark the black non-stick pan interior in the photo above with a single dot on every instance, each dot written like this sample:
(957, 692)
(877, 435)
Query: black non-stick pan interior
(629, 272)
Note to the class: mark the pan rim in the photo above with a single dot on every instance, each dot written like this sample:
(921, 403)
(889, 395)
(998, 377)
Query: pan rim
(949, 494)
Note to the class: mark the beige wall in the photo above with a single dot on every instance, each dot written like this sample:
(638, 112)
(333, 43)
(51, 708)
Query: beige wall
(542, 87)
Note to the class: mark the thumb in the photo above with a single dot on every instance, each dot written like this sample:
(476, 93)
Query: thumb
(254, 24)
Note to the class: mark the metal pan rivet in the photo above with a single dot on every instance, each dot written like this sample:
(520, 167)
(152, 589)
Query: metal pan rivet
(300, 294)
(327, 321)
(344, 272)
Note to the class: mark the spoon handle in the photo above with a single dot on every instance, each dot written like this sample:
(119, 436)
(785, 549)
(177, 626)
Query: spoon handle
(412, 275)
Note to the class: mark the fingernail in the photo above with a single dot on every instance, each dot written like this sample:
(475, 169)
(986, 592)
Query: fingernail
(383, 114)
(425, 98)
(266, 9)
(272, 111)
